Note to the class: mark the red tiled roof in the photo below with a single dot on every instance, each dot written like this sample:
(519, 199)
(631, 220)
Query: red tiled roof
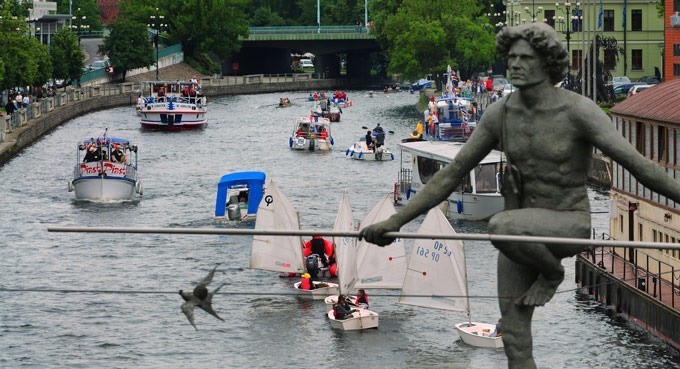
(659, 103)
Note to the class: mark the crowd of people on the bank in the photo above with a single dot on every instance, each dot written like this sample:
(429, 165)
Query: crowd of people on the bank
(22, 100)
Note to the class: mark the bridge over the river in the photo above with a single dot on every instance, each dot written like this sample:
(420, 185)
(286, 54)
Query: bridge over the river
(268, 49)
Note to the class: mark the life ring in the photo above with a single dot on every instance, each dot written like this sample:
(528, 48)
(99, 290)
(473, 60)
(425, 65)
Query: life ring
(300, 141)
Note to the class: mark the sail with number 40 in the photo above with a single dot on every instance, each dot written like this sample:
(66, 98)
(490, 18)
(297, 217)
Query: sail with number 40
(345, 247)
(277, 253)
(380, 267)
(436, 274)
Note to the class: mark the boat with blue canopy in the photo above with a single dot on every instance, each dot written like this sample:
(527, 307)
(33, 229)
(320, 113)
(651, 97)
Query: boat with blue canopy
(238, 195)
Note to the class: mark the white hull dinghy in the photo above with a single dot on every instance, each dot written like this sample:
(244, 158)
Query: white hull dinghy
(320, 291)
(311, 133)
(359, 319)
(360, 151)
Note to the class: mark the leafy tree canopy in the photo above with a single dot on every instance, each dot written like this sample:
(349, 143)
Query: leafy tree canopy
(200, 25)
(84, 13)
(21, 56)
(128, 46)
(67, 55)
(424, 37)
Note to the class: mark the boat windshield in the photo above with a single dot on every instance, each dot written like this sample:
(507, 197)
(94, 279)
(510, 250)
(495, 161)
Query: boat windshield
(485, 178)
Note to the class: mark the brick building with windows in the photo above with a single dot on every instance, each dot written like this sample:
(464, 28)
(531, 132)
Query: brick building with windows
(672, 36)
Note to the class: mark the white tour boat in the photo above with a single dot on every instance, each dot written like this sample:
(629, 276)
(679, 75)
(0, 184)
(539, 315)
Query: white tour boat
(107, 172)
(477, 198)
(172, 105)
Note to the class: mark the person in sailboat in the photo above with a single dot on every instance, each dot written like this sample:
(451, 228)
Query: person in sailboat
(342, 309)
(306, 282)
(362, 299)
(497, 331)
(548, 135)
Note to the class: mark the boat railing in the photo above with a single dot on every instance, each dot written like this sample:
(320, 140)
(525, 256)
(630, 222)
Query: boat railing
(404, 180)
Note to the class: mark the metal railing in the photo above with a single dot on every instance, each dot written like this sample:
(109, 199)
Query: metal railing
(306, 29)
(662, 280)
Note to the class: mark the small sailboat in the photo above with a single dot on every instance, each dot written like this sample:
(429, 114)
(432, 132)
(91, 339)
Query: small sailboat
(437, 278)
(282, 254)
(346, 253)
(380, 267)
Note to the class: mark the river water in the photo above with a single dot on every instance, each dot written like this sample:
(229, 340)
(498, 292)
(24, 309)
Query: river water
(128, 311)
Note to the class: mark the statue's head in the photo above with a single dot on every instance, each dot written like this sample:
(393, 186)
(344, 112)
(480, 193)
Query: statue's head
(544, 40)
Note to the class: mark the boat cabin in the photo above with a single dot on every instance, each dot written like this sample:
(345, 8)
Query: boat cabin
(239, 194)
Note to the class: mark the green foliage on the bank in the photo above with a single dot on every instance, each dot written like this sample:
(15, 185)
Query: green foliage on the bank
(200, 26)
(24, 61)
(67, 56)
(204, 64)
(425, 37)
(127, 46)
(85, 13)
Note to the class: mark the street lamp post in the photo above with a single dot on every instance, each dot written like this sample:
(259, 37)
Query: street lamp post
(565, 24)
(156, 24)
(534, 11)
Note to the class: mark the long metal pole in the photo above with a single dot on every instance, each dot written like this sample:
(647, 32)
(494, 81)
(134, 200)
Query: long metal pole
(330, 233)
(366, 14)
(583, 47)
(157, 41)
(318, 16)
(594, 58)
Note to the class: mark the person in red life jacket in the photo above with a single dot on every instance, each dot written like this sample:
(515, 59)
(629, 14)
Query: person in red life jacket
(489, 84)
(362, 299)
(342, 309)
(324, 134)
(306, 283)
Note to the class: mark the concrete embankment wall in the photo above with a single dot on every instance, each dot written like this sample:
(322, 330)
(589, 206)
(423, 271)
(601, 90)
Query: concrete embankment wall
(627, 301)
(29, 124)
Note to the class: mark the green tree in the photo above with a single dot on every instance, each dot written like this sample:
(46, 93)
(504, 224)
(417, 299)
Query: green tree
(21, 55)
(201, 26)
(424, 37)
(67, 56)
(265, 16)
(127, 46)
(85, 14)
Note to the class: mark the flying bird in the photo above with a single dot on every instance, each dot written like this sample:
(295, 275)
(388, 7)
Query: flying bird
(200, 297)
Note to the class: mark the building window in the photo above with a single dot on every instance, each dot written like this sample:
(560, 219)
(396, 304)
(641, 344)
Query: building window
(676, 5)
(550, 18)
(636, 20)
(576, 59)
(640, 232)
(610, 59)
(676, 48)
(676, 69)
(636, 56)
(640, 139)
(621, 223)
(662, 143)
(608, 20)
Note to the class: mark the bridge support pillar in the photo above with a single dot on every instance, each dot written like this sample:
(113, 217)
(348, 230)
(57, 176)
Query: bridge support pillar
(328, 64)
(359, 65)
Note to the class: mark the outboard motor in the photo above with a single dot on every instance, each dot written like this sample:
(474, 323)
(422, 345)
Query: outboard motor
(312, 266)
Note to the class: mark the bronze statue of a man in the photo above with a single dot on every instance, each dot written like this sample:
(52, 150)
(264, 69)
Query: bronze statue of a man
(548, 135)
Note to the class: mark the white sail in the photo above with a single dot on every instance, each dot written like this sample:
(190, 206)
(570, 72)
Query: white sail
(381, 267)
(436, 275)
(345, 247)
(277, 253)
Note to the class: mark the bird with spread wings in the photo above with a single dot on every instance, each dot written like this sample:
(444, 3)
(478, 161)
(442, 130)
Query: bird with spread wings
(200, 297)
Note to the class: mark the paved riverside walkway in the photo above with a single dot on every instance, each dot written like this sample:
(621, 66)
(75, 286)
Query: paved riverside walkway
(645, 276)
